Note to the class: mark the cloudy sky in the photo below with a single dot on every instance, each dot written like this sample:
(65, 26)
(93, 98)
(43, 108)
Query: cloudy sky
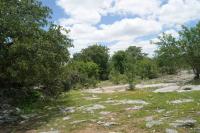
(122, 23)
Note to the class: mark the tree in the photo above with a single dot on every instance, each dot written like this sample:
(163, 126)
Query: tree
(80, 73)
(175, 53)
(97, 54)
(30, 55)
(118, 61)
(168, 55)
(147, 68)
(189, 44)
(134, 54)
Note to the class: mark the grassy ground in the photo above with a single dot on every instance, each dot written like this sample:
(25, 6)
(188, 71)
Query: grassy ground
(49, 117)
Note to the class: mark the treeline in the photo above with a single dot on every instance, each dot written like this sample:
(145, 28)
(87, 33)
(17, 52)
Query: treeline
(35, 62)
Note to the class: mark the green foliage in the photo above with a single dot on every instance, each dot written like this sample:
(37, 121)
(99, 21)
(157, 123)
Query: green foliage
(30, 55)
(116, 77)
(97, 54)
(134, 54)
(131, 63)
(189, 44)
(80, 74)
(118, 61)
(168, 55)
(176, 53)
(147, 68)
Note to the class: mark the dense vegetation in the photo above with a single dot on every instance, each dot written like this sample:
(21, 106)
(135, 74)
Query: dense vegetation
(35, 62)
(175, 53)
(33, 51)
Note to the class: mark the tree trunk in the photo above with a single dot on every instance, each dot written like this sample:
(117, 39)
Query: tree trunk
(197, 74)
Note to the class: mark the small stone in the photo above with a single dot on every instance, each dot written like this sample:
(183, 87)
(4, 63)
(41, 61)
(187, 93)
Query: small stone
(66, 118)
(94, 107)
(171, 131)
(24, 117)
(104, 113)
(125, 101)
(67, 110)
(134, 108)
(152, 123)
(78, 121)
(107, 124)
(18, 110)
(51, 132)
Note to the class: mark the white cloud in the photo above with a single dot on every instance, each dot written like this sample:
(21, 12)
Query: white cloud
(153, 17)
(136, 7)
(173, 32)
(84, 11)
(125, 30)
(179, 11)
(146, 46)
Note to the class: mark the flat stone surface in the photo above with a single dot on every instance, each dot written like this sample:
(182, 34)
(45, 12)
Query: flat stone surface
(170, 131)
(181, 101)
(78, 121)
(126, 101)
(152, 123)
(67, 110)
(91, 108)
(51, 132)
(104, 112)
(140, 86)
(186, 122)
(66, 118)
(134, 108)
(167, 89)
(107, 124)
(187, 88)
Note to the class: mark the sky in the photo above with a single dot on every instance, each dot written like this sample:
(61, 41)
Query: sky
(119, 24)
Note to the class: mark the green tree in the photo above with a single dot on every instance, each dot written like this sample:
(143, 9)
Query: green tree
(147, 68)
(80, 74)
(118, 61)
(30, 55)
(189, 44)
(97, 54)
(134, 54)
(168, 55)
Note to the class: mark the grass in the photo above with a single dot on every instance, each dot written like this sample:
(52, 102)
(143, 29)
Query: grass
(49, 116)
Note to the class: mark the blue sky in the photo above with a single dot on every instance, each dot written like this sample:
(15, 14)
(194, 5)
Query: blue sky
(119, 24)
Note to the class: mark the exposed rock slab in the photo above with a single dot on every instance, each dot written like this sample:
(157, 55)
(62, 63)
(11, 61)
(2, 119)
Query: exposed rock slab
(126, 101)
(170, 131)
(168, 89)
(187, 123)
(140, 86)
(92, 108)
(180, 101)
(134, 108)
(107, 124)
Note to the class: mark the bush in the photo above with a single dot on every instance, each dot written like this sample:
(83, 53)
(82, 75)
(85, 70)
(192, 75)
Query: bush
(147, 68)
(116, 77)
(80, 74)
